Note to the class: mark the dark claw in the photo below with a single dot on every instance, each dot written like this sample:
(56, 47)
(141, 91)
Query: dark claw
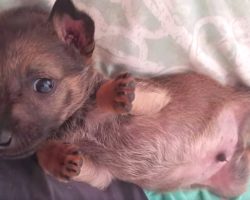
(71, 170)
(131, 85)
(65, 177)
(76, 152)
(122, 85)
(67, 143)
(126, 75)
(131, 96)
(120, 105)
(128, 107)
(72, 163)
(120, 93)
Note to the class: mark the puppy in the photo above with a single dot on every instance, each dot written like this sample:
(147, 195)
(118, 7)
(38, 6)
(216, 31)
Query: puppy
(44, 77)
(181, 131)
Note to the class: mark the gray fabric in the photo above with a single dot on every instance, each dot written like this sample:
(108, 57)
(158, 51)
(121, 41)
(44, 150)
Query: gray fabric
(24, 180)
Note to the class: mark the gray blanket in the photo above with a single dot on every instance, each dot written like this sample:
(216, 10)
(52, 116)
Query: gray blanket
(24, 180)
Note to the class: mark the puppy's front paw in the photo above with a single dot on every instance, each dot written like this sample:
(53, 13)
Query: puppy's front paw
(62, 160)
(116, 95)
(124, 88)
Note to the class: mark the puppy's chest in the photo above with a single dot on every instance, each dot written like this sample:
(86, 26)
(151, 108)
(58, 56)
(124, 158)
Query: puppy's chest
(91, 124)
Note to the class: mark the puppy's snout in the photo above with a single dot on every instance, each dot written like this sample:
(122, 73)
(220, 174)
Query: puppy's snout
(5, 138)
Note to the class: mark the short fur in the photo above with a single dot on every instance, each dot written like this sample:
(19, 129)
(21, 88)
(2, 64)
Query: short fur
(193, 135)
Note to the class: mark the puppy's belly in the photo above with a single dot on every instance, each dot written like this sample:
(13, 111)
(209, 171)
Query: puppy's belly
(161, 160)
(149, 99)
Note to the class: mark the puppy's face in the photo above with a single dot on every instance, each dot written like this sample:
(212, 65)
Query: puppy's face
(43, 78)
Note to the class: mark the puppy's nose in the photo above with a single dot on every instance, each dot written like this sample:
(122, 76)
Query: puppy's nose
(5, 138)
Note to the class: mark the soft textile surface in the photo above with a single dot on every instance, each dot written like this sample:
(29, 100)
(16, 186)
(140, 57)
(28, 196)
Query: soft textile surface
(169, 36)
(24, 180)
(165, 36)
(191, 195)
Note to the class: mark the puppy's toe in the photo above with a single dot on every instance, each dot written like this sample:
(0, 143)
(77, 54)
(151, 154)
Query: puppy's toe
(122, 107)
(71, 167)
(71, 164)
(124, 93)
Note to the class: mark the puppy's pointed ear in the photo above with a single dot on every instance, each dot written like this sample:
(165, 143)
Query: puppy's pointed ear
(73, 27)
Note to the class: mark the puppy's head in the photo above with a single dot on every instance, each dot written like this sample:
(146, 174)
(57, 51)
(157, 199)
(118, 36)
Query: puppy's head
(43, 72)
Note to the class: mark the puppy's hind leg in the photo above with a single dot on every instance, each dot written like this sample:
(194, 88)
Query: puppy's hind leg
(59, 159)
(94, 175)
(232, 179)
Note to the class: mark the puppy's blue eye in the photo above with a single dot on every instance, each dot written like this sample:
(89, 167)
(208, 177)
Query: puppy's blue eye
(43, 85)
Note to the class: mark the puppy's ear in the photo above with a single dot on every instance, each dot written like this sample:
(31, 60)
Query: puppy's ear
(73, 27)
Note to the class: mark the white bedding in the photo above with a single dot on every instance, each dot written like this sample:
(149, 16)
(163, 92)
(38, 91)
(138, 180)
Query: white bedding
(166, 36)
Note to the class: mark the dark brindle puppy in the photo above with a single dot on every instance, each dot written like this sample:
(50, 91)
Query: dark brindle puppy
(43, 77)
(184, 130)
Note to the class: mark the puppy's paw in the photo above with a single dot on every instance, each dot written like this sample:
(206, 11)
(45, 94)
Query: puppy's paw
(117, 95)
(62, 160)
(70, 163)
(124, 88)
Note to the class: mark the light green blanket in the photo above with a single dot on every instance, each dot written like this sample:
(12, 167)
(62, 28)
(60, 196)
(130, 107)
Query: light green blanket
(191, 195)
